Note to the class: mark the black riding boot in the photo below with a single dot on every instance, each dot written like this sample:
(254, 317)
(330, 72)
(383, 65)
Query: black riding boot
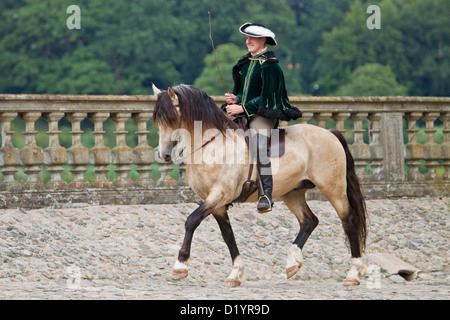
(265, 174)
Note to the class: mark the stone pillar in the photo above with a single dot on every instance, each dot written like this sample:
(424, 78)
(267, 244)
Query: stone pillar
(360, 150)
(432, 150)
(121, 153)
(9, 155)
(391, 136)
(376, 148)
(305, 117)
(414, 150)
(340, 119)
(144, 155)
(78, 155)
(100, 155)
(54, 155)
(182, 177)
(322, 118)
(31, 155)
(165, 169)
(445, 118)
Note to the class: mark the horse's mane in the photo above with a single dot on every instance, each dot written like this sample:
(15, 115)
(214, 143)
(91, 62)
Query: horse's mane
(195, 105)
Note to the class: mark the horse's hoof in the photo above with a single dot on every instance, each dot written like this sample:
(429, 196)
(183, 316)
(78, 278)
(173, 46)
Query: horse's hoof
(179, 274)
(292, 271)
(351, 282)
(294, 260)
(232, 283)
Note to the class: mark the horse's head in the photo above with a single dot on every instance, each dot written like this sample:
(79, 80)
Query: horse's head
(183, 107)
(167, 117)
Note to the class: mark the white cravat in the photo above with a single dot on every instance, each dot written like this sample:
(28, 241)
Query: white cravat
(265, 48)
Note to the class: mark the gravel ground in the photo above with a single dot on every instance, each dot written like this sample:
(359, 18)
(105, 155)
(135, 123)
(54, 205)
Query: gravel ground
(127, 252)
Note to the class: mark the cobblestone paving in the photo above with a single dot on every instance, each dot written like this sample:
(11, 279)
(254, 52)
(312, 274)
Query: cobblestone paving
(127, 252)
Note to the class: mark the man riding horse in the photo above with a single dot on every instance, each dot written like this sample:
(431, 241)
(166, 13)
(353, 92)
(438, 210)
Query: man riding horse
(314, 158)
(260, 96)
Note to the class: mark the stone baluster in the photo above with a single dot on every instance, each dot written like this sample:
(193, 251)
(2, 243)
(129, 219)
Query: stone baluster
(376, 148)
(182, 177)
(54, 155)
(432, 150)
(445, 118)
(414, 150)
(144, 155)
(78, 155)
(9, 155)
(100, 155)
(322, 118)
(340, 119)
(31, 155)
(306, 116)
(360, 150)
(122, 153)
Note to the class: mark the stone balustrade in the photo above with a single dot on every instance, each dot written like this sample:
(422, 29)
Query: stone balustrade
(389, 163)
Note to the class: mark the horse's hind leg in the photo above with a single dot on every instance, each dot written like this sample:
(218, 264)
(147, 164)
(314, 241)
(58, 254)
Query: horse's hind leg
(237, 273)
(344, 211)
(296, 202)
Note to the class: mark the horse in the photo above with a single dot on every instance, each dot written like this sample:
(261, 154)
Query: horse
(314, 157)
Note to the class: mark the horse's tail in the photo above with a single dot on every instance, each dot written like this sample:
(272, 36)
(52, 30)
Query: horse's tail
(358, 211)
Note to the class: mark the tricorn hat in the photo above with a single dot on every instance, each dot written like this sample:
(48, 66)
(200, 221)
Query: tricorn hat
(258, 31)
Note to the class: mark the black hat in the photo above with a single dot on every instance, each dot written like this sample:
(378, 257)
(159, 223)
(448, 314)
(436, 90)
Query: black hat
(258, 31)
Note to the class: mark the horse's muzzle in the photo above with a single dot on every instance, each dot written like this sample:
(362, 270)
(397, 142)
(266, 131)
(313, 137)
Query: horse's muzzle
(166, 157)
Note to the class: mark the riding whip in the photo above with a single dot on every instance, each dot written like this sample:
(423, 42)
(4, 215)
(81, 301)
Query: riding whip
(214, 50)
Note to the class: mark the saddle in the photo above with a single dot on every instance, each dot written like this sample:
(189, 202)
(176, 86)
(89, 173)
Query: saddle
(276, 141)
(276, 148)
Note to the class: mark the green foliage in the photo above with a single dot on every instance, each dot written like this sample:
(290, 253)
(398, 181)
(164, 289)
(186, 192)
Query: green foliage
(352, 45)
(372, 79)
(209, 79)
(124, 46)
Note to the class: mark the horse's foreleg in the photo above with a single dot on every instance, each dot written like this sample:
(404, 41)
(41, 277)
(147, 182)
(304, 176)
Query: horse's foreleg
(237, 273)
(180, 269)
(296, 202)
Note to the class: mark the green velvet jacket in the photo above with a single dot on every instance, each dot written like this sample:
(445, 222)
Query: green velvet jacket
(260, 88)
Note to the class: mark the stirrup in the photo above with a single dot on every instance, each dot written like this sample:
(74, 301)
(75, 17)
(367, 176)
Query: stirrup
(264, 210)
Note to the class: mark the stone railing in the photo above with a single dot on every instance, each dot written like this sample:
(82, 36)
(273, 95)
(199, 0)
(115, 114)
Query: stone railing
(33, 174)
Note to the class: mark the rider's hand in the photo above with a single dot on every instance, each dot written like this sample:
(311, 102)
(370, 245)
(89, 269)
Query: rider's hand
(230, 98)
(233, 109)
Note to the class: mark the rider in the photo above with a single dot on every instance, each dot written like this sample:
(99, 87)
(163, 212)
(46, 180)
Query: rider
(260, 95)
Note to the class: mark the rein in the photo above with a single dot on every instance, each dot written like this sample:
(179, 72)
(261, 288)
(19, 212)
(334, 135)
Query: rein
(201, 147)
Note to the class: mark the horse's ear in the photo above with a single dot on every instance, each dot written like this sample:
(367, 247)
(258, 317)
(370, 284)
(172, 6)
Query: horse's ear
(173, 96)
(156, 91)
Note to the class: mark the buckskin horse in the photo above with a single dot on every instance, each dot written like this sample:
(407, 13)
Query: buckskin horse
(313, 157)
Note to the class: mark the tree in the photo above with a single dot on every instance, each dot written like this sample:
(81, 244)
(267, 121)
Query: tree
(316, 17)
(352, 44)
(209, 80)
(425, 24)
(83, 74)
(32, 36)
(372, 79)
(124, 46)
